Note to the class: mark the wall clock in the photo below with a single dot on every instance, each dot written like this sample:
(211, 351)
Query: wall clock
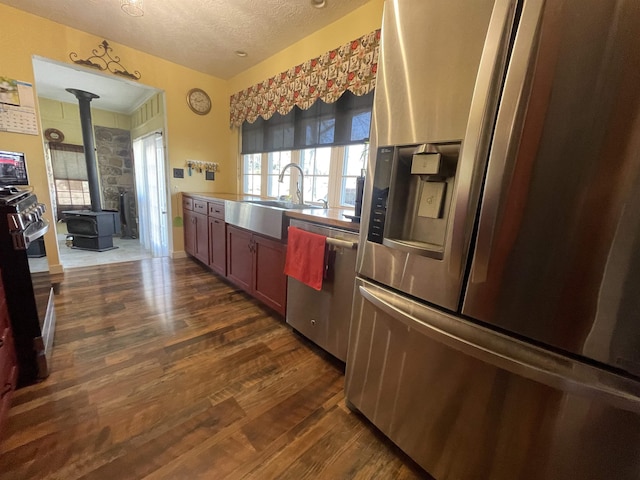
(198, 101)
(54, 135)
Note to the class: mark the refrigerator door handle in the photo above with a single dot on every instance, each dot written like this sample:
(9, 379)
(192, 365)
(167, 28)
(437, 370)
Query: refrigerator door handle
(507, 353)
(509, 125)
(480, 125)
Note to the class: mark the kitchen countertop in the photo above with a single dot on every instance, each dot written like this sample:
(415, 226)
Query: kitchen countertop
(333, 217)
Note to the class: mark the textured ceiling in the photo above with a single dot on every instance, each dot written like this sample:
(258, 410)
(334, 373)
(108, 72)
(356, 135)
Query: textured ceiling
(200, 34)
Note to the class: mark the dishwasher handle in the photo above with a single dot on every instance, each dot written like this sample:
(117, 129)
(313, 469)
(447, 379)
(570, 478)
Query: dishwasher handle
(336, 242)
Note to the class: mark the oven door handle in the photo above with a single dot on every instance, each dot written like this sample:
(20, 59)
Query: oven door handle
(22, 240)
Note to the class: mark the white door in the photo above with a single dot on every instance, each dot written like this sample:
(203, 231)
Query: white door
(151, 191)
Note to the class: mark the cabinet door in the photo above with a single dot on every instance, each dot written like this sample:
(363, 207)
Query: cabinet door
(270, 282)
(202, 238)
(8, 362)
(189, 232)
(239, 258)
(217, 246)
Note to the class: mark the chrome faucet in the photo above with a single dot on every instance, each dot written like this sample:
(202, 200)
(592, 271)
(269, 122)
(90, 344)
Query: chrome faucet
(301, 186)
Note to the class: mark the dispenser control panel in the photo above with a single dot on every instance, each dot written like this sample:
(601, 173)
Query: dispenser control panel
(381, 182)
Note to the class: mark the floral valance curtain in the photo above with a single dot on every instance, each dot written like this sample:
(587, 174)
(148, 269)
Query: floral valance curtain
(352, 67)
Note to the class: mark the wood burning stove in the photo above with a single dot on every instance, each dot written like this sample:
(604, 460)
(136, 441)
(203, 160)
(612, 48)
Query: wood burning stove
(91, 229)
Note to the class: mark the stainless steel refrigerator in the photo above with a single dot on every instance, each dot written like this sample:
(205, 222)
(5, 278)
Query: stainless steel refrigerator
(495, 331)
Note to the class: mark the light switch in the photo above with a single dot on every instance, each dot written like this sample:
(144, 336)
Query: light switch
(431, 199)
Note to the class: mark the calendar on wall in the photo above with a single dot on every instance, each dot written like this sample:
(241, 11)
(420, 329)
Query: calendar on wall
(17, 107)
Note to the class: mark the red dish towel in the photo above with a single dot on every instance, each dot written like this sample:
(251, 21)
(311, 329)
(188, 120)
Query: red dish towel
(305, 257)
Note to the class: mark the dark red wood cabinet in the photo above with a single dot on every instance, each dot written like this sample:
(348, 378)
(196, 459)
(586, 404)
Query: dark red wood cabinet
(256, 264)
(196, 229)
(8, 361)
(240, 257)
(217, 238)
(253, 262)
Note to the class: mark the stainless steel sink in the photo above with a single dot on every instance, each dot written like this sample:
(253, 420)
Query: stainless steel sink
(282, 204)
(266, 217)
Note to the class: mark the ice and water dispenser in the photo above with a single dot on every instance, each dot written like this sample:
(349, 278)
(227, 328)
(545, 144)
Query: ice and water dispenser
(412, 192)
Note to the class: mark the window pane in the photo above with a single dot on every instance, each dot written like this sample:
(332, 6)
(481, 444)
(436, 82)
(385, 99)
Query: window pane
(323, 161)
(62, 185)
(252, 163)
(75, 185)
(278, 189)
(252, 184)
(320, 189)
(360, 125)
(277, 160)
(77, 198)
(327, 131)
(307, 158)
(64, 198)
(355, 159)
(348, 193)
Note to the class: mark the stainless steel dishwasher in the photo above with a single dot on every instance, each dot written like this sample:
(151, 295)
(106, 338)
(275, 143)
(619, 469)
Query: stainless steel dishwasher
(323, 316)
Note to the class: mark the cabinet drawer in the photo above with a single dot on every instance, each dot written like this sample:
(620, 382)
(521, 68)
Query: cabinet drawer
(187, 203)
(216, 210)
(199, 206)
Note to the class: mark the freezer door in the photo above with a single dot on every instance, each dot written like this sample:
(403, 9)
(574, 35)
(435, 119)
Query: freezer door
(440, 72)
(557, 256)
(467, 403)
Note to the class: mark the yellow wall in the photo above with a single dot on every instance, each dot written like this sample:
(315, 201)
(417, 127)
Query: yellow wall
(188, 136)
(359, 22)
(66, 118)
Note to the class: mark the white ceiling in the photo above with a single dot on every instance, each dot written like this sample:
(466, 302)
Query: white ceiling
(199, 34)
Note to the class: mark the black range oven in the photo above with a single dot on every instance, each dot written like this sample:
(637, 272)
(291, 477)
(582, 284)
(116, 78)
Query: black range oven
(29, 296)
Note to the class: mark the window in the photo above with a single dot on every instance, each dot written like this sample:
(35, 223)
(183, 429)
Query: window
(328, 141)
(329, 174)
(70, 177)
(73, 193)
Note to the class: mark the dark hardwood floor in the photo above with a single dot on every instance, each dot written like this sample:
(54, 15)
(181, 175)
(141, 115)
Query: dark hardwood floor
(163, 371)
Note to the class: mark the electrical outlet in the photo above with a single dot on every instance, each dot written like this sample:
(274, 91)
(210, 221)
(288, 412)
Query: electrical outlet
(178, 173)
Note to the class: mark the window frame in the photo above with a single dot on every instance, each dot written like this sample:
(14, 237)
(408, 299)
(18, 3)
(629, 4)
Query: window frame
(336, 176)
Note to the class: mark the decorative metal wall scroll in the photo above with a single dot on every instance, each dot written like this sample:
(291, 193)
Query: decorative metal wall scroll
(104, 61)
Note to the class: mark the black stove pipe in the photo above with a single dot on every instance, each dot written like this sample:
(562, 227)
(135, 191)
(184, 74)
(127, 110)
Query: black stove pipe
(84, 99)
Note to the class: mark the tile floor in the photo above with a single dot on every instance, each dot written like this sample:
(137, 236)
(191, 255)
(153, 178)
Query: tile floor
(128, 249)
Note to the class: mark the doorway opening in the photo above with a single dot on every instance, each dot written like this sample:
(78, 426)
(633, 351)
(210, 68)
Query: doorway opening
(117, 120)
